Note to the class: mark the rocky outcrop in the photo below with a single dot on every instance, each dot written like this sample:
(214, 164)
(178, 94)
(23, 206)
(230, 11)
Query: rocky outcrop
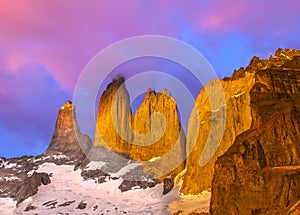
(260, 172)
(233, 112)
(129, 185)
(114, 118)
(18, 177)
(238, 118)
(67, 139)
(159, 140)
(156, 126)
(168, 185)
(30, 185)
(153, 136)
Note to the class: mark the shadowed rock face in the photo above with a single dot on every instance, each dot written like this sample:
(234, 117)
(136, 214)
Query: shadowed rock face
(30, 185)
(260, 173)
(67, 139)
(153, 133)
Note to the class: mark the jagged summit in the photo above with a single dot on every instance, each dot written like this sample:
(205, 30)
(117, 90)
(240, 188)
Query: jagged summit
(164, 91)
(67, 138)
(278, 60)
(138, 135)
(68, 106)
(117, 81)
(120, 79)
(286, 53)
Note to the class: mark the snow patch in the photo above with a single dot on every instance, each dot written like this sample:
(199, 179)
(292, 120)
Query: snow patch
(9, 165)
(11, 178)
(238, 95)
(30, 173)
(94, 165)
(216, 110)
(284, 55)
(154, 159)
(124, 170)
(56, 157)
(7, 205)
(189, 204)
(67, 185)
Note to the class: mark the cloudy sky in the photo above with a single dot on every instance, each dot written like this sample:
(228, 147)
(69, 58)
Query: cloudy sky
(44, 46)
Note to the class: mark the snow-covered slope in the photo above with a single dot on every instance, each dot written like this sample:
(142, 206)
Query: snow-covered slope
(7, 206)
(68, 193)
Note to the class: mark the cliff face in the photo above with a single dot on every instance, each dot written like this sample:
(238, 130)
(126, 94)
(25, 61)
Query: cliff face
(67, 139)
(155, 135)
(152, 136)
(260, 173)
(236, 108)
(238, 117)
(114, 118)
(159, 140)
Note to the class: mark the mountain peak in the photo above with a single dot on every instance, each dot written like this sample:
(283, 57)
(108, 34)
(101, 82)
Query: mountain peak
(68, 106)
(67, 138)
(117, 81)
(286, 53)
(151, 92)
(140, 128)
(166, 92)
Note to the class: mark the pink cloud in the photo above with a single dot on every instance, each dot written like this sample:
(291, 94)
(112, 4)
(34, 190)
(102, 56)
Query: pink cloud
(64, 35)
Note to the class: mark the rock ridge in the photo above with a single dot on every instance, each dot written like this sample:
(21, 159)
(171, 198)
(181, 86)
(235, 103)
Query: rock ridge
(239, 117)
(260, 172)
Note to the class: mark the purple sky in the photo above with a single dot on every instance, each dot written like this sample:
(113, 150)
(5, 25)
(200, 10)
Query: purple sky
(44, 45)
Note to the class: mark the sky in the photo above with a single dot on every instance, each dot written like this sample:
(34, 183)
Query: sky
(44, 46)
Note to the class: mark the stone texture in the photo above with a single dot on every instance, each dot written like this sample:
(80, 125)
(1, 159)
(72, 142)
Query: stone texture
(236, 108)
(67, 138)
(18, 179)
(153, 136)
(238, 116)
(30, 185)
(168, 185)
(129, 185)
(260, 173)
(114, 118)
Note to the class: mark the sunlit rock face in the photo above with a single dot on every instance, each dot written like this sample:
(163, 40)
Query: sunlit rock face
(153, 136)
(233, 112)
(67, 138)
(114, 118)
(260, 173)
(237, 110)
